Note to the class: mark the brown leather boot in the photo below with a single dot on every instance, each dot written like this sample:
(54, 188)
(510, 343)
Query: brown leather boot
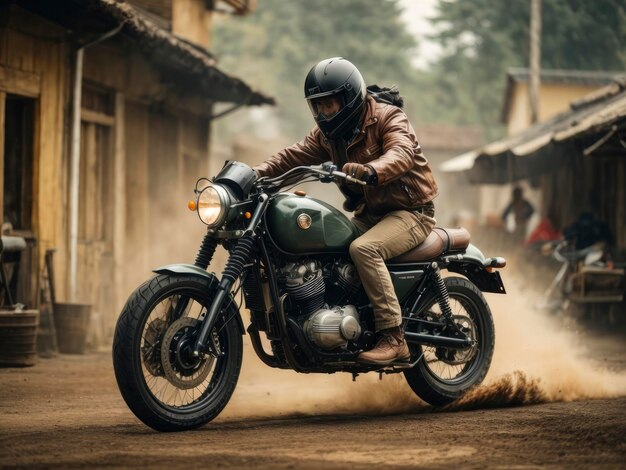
(391, 347)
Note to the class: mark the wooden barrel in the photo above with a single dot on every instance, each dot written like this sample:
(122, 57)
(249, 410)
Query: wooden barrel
(72, 325)
(18, 338)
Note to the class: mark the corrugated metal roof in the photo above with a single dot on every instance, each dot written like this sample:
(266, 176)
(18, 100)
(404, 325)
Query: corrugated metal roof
(598, 112)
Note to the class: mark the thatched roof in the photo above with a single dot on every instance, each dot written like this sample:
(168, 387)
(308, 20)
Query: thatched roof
(196, 64)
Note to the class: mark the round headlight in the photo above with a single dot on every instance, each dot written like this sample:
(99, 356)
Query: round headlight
(213, 204)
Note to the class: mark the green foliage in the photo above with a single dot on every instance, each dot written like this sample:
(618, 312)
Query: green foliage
(275, 47)
(482, 38)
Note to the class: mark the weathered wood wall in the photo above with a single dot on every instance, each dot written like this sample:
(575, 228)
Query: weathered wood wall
(595, 184)
(34, 62)
(144, 142)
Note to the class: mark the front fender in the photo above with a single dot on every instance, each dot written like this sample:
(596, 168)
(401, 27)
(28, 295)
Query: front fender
(190, 269)
(174, 269)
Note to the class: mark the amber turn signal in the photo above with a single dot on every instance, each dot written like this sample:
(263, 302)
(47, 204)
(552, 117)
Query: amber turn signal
(191, 205)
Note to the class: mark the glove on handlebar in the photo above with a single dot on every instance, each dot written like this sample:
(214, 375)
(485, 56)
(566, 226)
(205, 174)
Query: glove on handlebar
(361, 172)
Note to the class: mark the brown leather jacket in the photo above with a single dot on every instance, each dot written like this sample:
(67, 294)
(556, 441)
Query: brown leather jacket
(387, 143)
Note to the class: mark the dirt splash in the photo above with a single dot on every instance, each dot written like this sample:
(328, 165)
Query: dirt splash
(566, 358)
(513, 389)
(536, 360)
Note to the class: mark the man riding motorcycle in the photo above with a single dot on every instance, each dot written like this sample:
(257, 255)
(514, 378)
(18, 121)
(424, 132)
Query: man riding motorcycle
(374, 142)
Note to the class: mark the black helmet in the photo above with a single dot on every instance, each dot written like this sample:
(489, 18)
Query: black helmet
(339, 78)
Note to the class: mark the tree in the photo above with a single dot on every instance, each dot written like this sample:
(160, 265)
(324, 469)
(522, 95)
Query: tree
(275, 47)
(482, 38)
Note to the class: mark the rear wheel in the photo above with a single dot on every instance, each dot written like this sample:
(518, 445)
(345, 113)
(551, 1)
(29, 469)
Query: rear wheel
(443, 375)
(163, 384)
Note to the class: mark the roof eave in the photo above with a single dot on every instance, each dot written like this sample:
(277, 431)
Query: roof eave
(160, 46)
(498, 162)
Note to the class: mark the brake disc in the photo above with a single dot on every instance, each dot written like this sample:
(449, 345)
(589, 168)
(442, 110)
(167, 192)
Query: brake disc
(180, 367)
(151, 349)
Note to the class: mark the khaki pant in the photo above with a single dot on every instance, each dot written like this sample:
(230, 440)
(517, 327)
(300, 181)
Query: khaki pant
(384, 238)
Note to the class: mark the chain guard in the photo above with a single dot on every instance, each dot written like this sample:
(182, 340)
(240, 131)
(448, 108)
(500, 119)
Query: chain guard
(180, 368)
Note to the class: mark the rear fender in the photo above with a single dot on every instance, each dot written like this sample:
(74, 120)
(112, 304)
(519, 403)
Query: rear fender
(473, 265)
(191, 270)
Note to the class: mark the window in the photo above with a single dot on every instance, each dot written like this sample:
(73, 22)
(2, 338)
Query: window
(18, 161)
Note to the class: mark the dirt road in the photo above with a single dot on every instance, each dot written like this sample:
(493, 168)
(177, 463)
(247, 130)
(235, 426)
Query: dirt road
(66, 412)
(555, 396)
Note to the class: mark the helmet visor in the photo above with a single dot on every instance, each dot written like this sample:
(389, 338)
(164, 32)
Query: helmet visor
(326, 107)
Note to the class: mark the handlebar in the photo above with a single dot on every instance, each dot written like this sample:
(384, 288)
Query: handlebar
(326, 172)
(565, 253)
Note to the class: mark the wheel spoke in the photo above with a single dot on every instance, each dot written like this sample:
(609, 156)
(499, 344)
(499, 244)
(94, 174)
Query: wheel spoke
(168, 386)
(450, 365)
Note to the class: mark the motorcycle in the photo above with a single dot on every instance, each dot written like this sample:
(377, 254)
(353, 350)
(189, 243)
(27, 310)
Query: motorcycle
(587, 277)
(177, 349)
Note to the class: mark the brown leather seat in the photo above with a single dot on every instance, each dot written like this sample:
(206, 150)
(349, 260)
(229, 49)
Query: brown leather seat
(439, 241)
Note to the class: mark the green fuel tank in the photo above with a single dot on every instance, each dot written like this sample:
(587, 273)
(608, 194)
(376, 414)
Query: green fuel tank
(300, 224)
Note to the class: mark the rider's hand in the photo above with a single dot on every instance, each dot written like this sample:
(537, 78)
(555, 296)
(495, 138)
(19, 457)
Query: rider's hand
(259, 174)
(360, 172)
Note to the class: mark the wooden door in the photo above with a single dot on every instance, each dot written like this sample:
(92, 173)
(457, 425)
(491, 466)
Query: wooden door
(95, 279)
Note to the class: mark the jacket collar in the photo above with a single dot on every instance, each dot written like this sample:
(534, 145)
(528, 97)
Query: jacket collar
(370, 112)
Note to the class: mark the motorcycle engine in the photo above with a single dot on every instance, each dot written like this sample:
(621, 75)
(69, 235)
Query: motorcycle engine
(304, 282)
(330, 329)
(327, 327)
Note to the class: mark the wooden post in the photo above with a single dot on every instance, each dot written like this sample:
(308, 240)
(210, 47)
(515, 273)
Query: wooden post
(119, 201)
(75, 174)
(535, 59)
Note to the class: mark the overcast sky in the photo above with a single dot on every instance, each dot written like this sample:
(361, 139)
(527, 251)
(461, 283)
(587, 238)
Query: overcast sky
(416, 14)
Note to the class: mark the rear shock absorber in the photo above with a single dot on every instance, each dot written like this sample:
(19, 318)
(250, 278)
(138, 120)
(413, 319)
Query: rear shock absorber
(443, 299)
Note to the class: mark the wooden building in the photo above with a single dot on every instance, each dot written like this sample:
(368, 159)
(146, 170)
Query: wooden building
(575, 161)
(105, 117)
(557, 89)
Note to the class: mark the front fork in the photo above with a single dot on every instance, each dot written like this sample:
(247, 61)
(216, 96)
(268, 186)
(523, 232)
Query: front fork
(203, 259)
(239, 257)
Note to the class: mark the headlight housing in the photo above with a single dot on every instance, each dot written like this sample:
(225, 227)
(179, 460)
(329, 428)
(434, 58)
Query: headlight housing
(213, 204)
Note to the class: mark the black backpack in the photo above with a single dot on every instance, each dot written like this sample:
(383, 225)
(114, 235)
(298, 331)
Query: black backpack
(386, 95)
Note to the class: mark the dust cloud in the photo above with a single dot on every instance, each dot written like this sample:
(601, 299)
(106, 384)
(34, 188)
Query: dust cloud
(537, 359)
(564, 361)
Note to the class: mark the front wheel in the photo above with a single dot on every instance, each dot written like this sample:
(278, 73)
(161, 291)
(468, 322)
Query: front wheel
(444, 375)
(163, 384)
